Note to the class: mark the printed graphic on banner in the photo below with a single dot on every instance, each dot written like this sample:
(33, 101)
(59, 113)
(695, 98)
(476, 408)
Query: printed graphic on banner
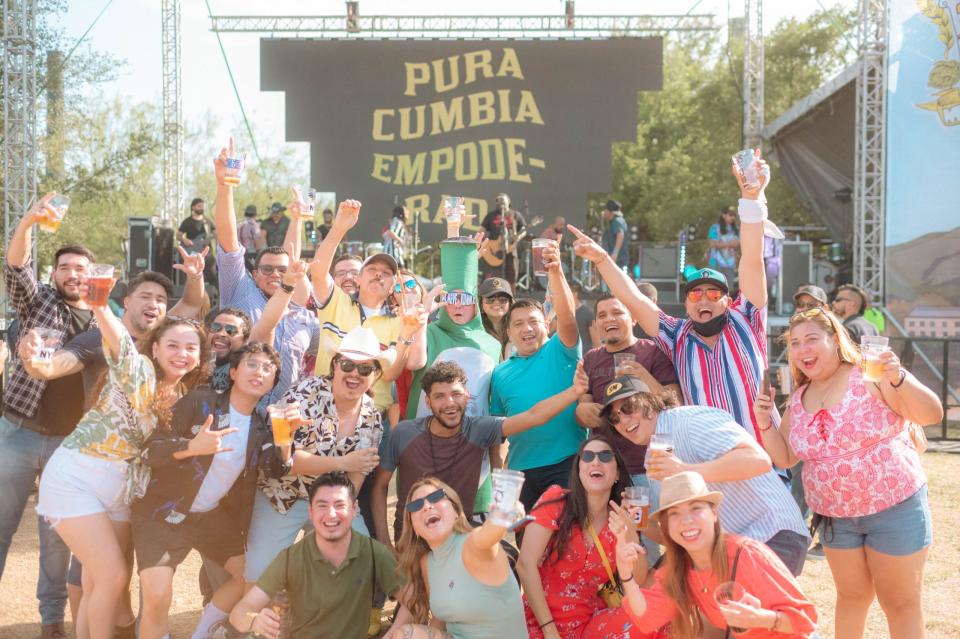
(414, 122)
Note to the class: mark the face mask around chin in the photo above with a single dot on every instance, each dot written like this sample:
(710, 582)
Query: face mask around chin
(711, 327)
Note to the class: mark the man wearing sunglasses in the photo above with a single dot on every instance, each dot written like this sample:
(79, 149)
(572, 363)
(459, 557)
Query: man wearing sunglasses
(298, 329)
(720, 349)
(849, 305)
(809, 296)
(227, 330)
(341, 312)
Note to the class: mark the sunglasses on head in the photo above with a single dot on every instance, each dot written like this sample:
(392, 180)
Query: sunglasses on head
(229, 329)
(605, 456)
(808, 313)
(410, 285)
(463, 299)
(417, 504)
(269, 269)
(713, 294)
(364, 370)
(186, 320)
(630, 406)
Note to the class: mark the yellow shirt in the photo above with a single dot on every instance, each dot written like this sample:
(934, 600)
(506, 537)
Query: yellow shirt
(341, 315)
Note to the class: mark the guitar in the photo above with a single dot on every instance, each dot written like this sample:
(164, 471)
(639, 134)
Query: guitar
(490, 248)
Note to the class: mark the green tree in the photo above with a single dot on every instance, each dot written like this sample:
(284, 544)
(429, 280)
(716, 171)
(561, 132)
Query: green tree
(677, 172)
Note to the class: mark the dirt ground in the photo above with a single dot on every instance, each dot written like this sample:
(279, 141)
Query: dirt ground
(19, 617)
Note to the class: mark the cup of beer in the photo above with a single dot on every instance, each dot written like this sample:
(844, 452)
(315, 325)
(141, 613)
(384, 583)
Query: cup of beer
(539, 267)
(410, 308)
(637, 501)
(308, 200)
(99, 280)
(280, 423)
(234, 170)
(506, 494)
(453, 209)
(369, 439)
(619, 359)
(872, 348)
(54, 211)
(728, 591)
(660, 444)
(49, 341)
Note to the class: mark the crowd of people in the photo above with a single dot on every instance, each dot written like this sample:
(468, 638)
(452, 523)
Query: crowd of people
(266, 434)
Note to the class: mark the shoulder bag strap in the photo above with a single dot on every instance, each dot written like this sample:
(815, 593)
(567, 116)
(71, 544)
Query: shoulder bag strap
(603, 555)
(733, 577)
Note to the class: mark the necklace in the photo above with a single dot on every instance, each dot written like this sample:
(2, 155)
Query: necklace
(827, 387)
(703, 586)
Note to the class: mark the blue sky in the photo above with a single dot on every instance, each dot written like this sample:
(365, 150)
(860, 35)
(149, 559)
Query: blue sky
(130, 30)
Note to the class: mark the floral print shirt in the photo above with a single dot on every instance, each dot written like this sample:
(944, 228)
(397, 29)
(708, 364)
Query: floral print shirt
(319, 436)
(116, 427)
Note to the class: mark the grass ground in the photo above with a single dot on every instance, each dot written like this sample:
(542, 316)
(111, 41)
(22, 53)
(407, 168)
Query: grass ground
(18, 606)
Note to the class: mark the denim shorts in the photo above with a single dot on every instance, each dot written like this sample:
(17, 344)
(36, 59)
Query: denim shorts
(900, 530)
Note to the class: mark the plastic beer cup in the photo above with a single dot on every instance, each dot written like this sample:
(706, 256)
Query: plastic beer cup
(637, 499)
(540, 243)
(234, 170)
(49, 340)
(618, 361)
(54, 211)
(308, 201)
(506, 494)
(872, 347)
(280, 423)
(99, 280)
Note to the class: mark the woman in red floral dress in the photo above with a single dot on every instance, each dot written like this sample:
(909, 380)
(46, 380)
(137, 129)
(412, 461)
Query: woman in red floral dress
(560, 567)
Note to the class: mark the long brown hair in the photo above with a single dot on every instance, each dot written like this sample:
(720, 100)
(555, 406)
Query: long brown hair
(687, 624)
(412, 548)
(198, 376)
(831, 325)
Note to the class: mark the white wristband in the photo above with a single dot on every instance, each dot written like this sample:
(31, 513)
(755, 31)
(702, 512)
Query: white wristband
(752, 211)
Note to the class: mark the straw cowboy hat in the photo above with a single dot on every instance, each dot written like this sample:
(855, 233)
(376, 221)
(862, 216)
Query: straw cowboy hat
(683, 487)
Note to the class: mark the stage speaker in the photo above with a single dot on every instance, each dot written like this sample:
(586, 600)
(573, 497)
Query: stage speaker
(163, 251)
(139, 245)
(796, 269)
(659, 265)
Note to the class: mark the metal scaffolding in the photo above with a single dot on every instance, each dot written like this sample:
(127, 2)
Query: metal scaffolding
(172, 114)
(752, 73)
(868, 193)
(559, 26)
(19, 110)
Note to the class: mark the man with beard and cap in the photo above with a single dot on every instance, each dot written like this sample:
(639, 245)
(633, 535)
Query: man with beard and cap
(720, 349)
(451, 444)
(298, 330)
(276, 225)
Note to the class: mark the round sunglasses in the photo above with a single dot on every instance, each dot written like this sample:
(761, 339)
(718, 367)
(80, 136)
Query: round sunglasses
(409, 285)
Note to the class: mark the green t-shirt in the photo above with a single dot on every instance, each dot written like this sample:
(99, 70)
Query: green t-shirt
(328, 600)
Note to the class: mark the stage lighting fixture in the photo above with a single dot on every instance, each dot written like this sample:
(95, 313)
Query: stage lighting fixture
(843, 195)
(353, 16)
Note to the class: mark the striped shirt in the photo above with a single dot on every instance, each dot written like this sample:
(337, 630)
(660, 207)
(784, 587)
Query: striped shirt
(758, 507)
(728, 375)
(297, 333)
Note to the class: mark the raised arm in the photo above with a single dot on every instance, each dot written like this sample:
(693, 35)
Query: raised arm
(562, 297)
(226, 217)
(620, 284)
(753, 212)
(277, 305)
(111, 329)
(19, 246)
(348, 213)
(546, 409)
(906, 395)
(191, 303)
(293, 239)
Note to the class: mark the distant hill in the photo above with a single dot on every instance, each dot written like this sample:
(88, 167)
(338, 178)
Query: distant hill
(927, 264)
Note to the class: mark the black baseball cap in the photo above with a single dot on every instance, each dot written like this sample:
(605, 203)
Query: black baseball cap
(706, 276)
(611, 205)
(494, 286)
(620, 388)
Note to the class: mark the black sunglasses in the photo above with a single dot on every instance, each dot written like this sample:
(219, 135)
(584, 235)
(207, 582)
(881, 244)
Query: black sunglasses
(364, 370)
(229, 329)
(629, 407)
(269, 269)
(417, 504)
(605, 456)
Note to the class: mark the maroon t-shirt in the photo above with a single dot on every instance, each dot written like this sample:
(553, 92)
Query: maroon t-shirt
(598, 364)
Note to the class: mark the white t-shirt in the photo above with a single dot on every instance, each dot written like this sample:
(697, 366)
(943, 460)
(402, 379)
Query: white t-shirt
(226, 467)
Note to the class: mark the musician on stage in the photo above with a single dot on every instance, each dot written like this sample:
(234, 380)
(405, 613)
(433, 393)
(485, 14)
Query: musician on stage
(195, 233)
(503, 225)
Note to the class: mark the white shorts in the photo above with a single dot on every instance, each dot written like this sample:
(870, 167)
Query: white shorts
(75, 485)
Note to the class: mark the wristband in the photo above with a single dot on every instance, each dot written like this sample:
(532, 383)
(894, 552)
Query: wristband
(903, 377)
(752, 211)
(544, 625)
(286, 288)
(776, 621)
(196, 277)
(623, 581)
(408, 342)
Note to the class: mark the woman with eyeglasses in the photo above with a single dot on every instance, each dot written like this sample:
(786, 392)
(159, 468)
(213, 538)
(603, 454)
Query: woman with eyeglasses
(458, 574)
(339, 415)
(702, 561)
(94, 476)
(861, 470)
(568, 551)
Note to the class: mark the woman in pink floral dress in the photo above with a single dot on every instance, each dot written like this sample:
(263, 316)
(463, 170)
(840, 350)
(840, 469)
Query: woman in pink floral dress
(560, 567)
(862, 473)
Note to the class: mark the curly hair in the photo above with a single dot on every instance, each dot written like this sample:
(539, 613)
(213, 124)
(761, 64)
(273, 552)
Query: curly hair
(443, 373)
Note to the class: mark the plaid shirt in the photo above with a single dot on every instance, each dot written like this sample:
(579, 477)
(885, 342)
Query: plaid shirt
(38, 306)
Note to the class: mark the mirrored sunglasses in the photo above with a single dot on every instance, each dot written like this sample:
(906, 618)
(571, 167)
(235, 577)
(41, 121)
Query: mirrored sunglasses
(713, 294)
(463, 299)
(229, 329)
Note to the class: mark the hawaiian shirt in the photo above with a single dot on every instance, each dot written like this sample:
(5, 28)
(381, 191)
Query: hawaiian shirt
(319, 436)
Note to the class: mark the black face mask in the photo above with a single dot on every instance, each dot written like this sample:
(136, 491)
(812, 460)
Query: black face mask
(711, 327)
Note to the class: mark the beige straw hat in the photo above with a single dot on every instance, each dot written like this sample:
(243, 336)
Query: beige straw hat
(683, 487)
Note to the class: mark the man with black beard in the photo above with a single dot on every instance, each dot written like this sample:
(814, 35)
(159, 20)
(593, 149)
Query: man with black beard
(720, 348)
(494, 223)
(449, 444)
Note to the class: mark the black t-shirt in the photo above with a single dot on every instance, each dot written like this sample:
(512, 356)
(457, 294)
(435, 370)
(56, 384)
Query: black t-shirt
(88, 348)
(61, 406)
(193, 228)
(493, 223)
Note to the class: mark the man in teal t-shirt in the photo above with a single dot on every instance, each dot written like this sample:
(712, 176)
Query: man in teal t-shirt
(542, 366)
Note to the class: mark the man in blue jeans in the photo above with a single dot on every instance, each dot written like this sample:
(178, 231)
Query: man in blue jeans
(38, 414)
